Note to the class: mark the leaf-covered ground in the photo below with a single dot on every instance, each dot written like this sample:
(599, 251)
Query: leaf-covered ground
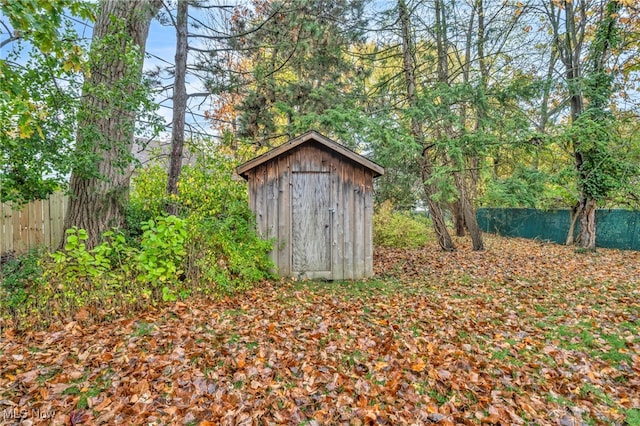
(524, 333)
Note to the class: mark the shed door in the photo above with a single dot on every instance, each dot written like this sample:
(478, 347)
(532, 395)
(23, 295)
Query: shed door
(311, 216)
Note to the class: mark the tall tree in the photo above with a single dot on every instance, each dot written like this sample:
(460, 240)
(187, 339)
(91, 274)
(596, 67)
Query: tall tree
(474, 44)
(112, 95)
(179, 104)
(599, 173)
(466, 177)
(437, 215)
(586, 37)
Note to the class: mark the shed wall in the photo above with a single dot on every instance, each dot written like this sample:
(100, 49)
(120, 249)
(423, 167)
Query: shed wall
(351, 198)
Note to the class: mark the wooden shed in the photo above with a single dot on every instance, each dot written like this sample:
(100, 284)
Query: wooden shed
(315, 197)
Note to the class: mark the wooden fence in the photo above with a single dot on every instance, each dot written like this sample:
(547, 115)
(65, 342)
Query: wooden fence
(37, 224)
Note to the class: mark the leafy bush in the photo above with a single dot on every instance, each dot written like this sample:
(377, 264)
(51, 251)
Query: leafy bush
(17, 279)
(39, 288)
(210, 249)
(74, 271)
(115, 274)
(162, 252)
(399, 229)
(223, 251)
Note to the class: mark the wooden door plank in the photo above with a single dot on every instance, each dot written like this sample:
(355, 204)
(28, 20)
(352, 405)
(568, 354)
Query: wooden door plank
(261, 214)
(337, 244)
(311, 222)
(271, 206)
(284, 217)
(348, 220)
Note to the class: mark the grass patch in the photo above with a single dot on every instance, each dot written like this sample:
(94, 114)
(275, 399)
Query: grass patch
(588, 388)
(83, 395)
(633, 417)
(361, 289)
(438, 396)
(48, 374)
(72, 390)
(143, 329)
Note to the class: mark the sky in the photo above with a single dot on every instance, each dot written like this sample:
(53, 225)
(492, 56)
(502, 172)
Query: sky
(161, 47)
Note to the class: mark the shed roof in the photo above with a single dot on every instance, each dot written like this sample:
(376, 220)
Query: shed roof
(311, 136)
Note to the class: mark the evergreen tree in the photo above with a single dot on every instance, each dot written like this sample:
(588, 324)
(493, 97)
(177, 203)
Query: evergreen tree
(302, 76)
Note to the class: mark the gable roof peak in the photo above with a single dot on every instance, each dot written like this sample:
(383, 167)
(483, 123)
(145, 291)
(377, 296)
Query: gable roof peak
(311, 135)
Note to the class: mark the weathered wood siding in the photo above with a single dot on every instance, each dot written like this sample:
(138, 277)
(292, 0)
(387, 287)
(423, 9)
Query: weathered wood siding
(318, 206)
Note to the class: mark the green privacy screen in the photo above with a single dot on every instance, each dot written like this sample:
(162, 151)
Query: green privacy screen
(615, 228)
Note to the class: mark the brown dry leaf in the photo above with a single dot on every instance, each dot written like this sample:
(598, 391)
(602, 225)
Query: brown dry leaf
(82, 315)
(450, 338)
(419, 365)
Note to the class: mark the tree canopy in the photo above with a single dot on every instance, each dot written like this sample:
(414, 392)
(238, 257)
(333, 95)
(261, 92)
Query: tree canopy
(467, 104)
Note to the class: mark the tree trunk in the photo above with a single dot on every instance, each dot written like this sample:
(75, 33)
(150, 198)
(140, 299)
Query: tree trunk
(106, 122)
(179, 106)
(458, 219)
(587, 237)
(575, 214)
(468, 213)
(435, 210)
(437, 215)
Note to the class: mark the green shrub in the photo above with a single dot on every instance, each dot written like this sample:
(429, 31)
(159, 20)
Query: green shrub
(210, 249)
(161, 256)
(522, 189)
(227, 256)
(135, 217)
(223, 251)
(39, 288)
(75, 270)
(399, 229)
(18, 277)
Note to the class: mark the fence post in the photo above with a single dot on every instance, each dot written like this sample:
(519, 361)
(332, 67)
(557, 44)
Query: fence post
(6, 229)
